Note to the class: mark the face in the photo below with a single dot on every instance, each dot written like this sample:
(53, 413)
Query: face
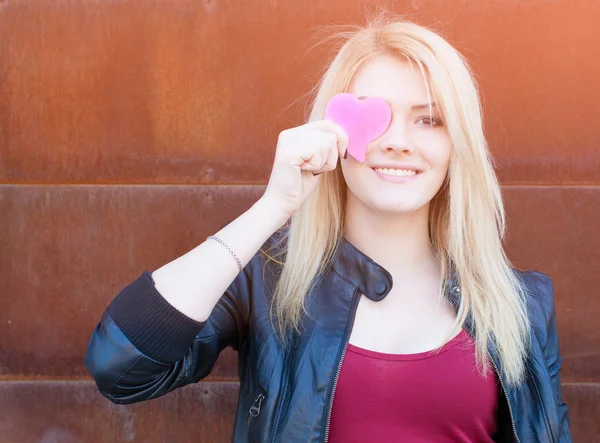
(407, 165)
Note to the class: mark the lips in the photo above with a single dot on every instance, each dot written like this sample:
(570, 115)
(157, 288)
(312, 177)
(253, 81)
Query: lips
(396, 172)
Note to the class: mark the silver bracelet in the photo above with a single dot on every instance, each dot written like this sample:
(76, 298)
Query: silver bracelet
(239, 263)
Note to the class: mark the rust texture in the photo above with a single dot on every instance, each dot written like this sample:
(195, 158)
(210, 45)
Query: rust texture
(129, 131)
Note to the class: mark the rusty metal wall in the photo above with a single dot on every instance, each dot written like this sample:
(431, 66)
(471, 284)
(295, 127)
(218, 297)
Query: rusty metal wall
(121, 120)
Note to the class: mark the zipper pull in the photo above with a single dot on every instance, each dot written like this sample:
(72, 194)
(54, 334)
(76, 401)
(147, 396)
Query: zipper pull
(255, 408)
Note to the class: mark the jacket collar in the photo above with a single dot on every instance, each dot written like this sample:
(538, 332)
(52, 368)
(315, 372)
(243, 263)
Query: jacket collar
(373, 280)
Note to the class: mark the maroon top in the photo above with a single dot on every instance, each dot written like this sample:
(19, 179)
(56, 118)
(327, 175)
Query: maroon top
(414, 398)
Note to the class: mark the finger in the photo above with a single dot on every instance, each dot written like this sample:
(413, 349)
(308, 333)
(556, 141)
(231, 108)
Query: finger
(342, 137)
(311, 162)
(330, 154)
(332, 157)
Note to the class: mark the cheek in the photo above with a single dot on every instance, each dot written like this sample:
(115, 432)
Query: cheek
(354, 176)
(437, 154)
(349, 172)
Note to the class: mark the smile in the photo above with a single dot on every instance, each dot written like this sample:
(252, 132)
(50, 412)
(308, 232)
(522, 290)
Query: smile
(394, 175)
(396, 172)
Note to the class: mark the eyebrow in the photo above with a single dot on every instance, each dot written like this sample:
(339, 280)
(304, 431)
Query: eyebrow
(424, 106)
(414, 107)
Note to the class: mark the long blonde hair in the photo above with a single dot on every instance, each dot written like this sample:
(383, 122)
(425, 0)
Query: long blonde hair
(466, 219)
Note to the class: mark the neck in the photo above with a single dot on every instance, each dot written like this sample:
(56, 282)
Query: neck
(398, 242)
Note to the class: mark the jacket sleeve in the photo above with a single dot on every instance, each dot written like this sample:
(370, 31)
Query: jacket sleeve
(143, 347)
(552, 353)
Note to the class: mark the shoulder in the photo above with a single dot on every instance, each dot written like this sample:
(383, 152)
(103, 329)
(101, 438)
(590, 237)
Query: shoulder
(539, 290)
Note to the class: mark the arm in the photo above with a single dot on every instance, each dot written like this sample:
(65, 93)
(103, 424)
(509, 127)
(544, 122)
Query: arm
(166, 329)
(552, 353)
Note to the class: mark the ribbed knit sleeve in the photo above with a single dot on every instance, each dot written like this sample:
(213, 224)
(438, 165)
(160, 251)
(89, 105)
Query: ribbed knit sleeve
(151, 323)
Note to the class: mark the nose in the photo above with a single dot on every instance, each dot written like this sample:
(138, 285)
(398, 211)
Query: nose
(395, 140)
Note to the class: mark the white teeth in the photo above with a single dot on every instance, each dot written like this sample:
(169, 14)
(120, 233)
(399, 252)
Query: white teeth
(396, 172)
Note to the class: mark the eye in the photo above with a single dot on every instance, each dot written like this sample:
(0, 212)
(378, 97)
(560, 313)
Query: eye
(428, 121)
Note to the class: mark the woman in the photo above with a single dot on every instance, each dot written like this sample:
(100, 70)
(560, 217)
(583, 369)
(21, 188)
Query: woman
(368, 301)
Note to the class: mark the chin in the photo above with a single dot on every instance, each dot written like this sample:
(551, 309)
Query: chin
(404, 206)
(391, 200)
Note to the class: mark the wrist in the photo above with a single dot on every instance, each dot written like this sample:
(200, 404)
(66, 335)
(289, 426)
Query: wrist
(271, 209)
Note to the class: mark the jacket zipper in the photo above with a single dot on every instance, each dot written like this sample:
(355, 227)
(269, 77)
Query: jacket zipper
(337, 375)
(283, 394)
(255, 408)
(512, 421)
(345, 339)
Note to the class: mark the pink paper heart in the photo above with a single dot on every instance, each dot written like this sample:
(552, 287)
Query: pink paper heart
(363, 120)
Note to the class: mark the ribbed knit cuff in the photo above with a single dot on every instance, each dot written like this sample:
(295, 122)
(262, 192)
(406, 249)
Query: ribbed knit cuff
(151, 323)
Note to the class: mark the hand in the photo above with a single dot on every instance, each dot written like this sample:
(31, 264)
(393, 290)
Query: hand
(302, 154)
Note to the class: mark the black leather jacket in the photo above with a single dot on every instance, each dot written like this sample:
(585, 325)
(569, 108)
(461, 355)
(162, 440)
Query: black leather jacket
(286, 396)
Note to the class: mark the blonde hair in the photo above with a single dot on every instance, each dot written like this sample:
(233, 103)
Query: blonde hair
(466, 218)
